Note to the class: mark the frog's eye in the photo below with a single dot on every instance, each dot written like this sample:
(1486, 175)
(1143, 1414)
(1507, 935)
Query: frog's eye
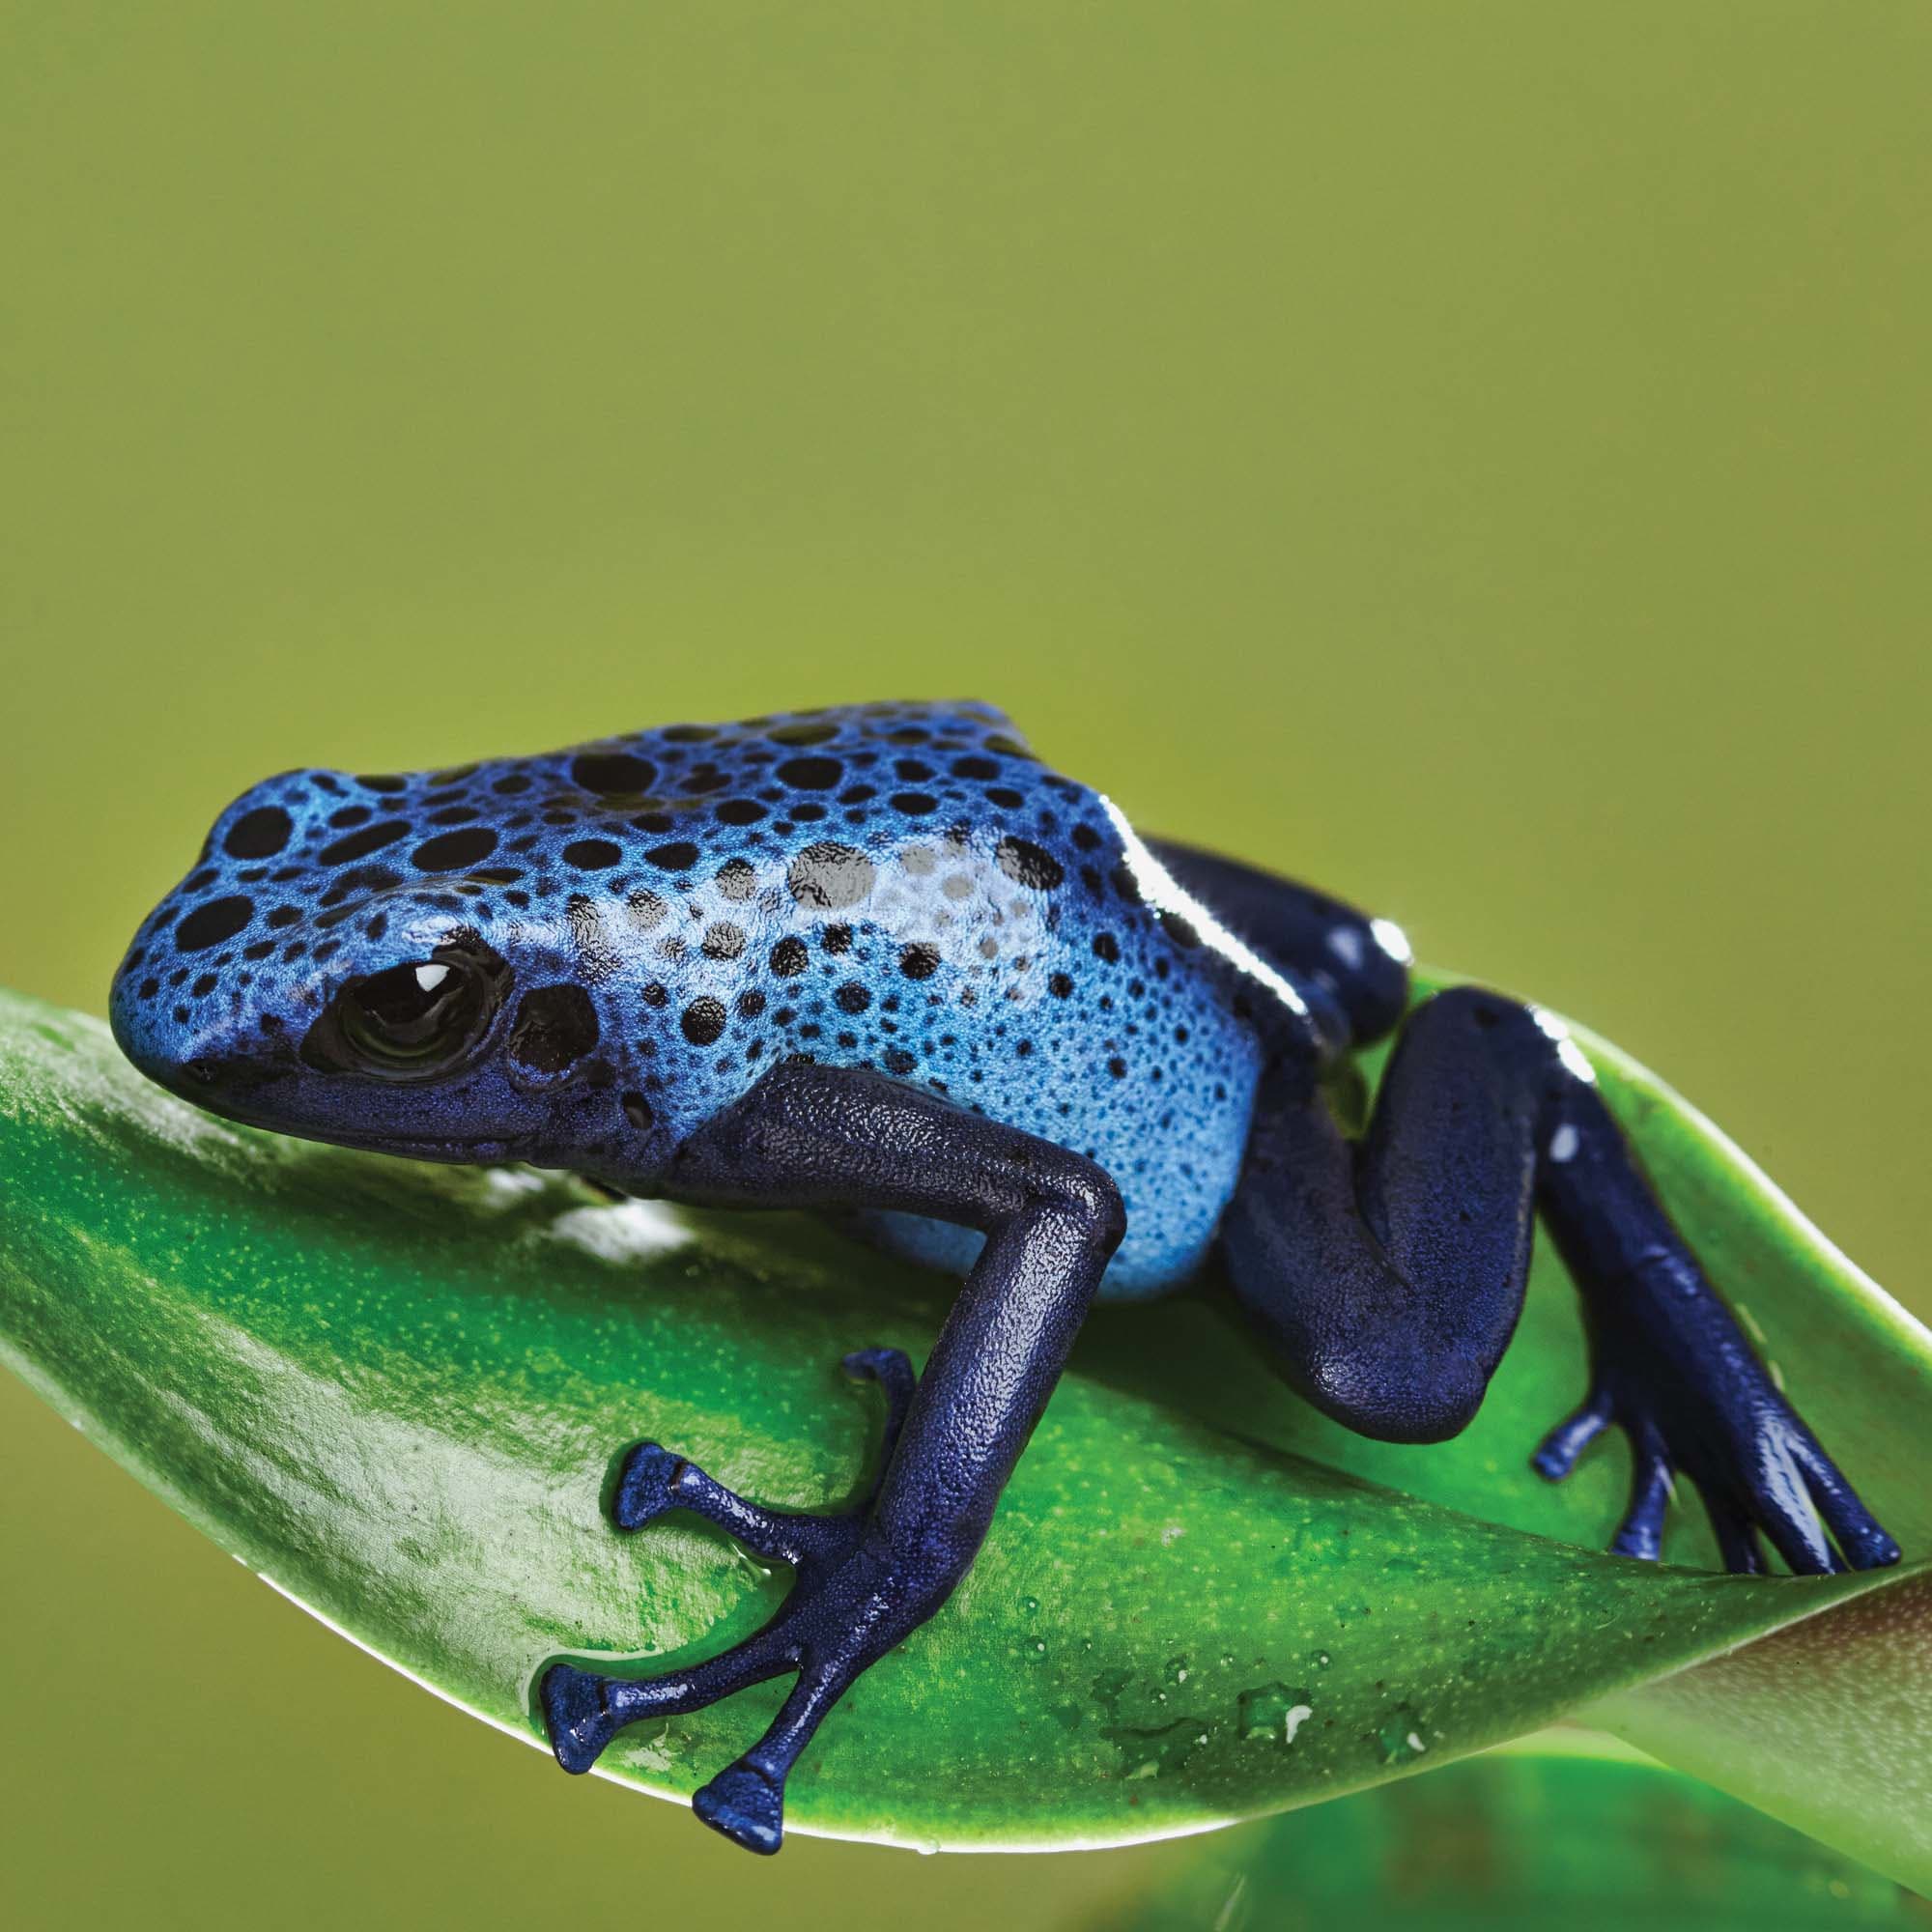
(412, 1022)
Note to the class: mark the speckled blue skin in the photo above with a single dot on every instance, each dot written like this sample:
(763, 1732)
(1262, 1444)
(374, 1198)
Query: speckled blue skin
(968, 933)
(879, 959)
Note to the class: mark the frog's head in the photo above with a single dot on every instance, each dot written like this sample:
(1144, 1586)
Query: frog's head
(367, 961)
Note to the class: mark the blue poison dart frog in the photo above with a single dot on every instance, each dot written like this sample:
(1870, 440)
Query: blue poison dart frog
(879, 958)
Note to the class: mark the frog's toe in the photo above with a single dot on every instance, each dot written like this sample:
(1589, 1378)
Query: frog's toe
(1864, 1540)
(1640, 1534)
(892, 1368)
(745, 1805)
(647, 1485)
(583, 1710)
(652, 1481)
(577, 1716)
(1783, 1487)
(1556, 1456)
(1736, 1535)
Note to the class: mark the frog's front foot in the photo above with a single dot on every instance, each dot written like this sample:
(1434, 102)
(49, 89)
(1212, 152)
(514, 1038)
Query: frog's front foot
(852, 1603)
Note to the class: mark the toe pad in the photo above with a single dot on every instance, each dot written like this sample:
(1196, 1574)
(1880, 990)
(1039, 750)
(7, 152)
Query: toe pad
(575, 1715)
(746, 1806)
(645, 1485)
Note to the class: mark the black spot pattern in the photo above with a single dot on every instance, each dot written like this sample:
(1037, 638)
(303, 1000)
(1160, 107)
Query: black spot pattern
(454, 851)
(900, 887)
(613, 773)
(811, 774)
(259, 834)
(703, 1022)
(211, 923)
(1022, 860)
(360, 844)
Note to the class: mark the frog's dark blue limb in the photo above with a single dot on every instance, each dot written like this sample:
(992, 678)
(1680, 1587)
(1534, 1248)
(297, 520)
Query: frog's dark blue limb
(826, 1137)
(654, 1481)
(1674, 1371)
(1413, 1247)
(1351, 969)
(1390, 1274)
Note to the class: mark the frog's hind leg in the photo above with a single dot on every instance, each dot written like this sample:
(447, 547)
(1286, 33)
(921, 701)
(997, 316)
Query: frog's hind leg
(826, 1137)
(1351, 968)
(1389, 1274)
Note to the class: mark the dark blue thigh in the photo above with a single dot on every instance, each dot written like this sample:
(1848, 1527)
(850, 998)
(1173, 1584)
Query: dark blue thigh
(1389, 1274)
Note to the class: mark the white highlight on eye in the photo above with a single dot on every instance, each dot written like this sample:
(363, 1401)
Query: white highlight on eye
(1567, 1049)
(1159, 889)
(1346, 944)
(1393, 941)
(430, 978)
(1564, 1143)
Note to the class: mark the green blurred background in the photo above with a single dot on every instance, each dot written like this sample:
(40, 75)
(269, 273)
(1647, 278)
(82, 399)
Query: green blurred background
(1474, 457)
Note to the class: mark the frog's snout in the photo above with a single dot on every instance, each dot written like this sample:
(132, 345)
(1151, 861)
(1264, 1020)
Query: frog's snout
(198, 1059)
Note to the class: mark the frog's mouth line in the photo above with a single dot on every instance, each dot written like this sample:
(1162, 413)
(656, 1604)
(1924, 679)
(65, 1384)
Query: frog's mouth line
(452, 1149)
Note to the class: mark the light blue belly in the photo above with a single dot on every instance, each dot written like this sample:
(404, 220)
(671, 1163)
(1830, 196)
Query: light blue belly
(1174, 1178)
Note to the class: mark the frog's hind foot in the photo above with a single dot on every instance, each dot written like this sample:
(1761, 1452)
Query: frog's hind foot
(1761, 1474)
(828, 1631)
(1672, 1370)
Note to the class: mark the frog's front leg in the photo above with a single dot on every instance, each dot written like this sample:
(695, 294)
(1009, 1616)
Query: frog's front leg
(655, 1481)
(810, 1136)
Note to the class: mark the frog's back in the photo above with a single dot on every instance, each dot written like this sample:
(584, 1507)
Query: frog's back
(906, 887)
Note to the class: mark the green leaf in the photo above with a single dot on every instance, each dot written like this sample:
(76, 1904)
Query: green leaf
(398, 1392)
(1515, 1844)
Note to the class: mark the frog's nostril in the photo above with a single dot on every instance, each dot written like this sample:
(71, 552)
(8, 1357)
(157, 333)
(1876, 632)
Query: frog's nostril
(203, 1072)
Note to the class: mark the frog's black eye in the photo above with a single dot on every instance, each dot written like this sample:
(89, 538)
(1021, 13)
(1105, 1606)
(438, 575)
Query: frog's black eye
(412, 1022)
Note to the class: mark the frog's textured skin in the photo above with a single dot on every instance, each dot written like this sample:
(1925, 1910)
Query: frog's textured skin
(880, 958)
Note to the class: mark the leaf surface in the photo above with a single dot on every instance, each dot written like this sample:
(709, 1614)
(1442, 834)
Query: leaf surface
(398, 1392)
(1512, 1843)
